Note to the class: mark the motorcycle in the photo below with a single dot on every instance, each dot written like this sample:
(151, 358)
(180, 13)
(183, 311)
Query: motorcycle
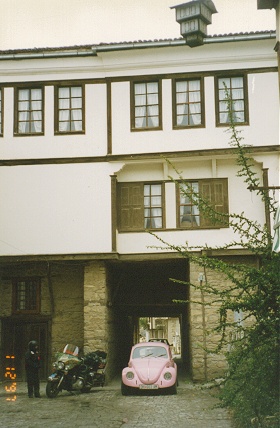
(74, 373)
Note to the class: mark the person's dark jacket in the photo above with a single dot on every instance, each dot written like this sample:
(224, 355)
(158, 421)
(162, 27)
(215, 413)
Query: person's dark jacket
(32, 358)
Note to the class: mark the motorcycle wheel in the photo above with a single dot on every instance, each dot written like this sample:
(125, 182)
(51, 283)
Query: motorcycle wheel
(52, 389)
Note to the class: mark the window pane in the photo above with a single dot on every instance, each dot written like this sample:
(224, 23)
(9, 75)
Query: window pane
(153, 122)
(237, 82)
(64, 92)
(76, 114)
(146, 105)
(139, 88)
(24, 116)
(76, 91)
(194, 85)
(140, 100)
(36, 94)
(70, 109)
(140, 111)
(36, 105)
(235, 91)
(152, 99)
(181, 86)
(188, 103)
(140, 122)
(224, 82)
(27, 295)
(23, 105)
(23, 94)
(36, 126)
(237, 94)
(152, 110)
(189, 211)
(152, 203)
(152, 87)
(30, 108)
(76, 126)
(77, 103)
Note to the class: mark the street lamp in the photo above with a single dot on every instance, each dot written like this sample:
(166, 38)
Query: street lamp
(193, 18)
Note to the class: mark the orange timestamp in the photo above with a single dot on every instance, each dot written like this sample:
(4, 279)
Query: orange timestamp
(10, 375)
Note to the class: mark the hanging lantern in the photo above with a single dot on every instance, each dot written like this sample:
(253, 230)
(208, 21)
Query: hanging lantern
(193, 18)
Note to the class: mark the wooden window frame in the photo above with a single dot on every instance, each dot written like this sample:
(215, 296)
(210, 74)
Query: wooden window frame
(246, 102)
(174, 103)
(17, 133)
(56, 109)
(133, 211)
(28, 281)
(211, 183)
(133, 106)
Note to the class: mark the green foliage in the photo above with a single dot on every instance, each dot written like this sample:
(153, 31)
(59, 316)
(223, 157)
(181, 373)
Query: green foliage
(252, 384)
(252, 388)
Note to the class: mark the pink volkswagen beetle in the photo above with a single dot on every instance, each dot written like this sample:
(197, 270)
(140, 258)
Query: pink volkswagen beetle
(150, 367)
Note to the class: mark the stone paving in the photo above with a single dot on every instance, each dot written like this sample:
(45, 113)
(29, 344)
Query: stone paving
(192, 407)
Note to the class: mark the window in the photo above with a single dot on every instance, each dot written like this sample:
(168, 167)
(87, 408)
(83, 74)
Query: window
(146, 106)
(237, 90)
(70, 109)
(140, 206)
(1, 111)
(29, 111)
(215, 191)
(26, 296)
(188, 109)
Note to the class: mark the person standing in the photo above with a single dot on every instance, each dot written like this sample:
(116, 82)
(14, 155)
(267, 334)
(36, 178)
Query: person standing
(32, 365)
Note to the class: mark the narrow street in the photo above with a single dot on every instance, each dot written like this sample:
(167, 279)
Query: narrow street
(192, 407)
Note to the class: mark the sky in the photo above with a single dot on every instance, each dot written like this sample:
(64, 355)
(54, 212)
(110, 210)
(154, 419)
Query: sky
(55, 23)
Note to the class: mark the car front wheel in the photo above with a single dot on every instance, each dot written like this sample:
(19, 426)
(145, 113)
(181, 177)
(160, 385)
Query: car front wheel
(126, 390)
(173, 389)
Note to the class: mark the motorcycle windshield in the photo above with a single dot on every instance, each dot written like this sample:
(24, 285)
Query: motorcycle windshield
(71, 350)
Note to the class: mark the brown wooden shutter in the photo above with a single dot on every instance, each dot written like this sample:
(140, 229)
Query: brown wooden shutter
(130, 206)
(215, 191)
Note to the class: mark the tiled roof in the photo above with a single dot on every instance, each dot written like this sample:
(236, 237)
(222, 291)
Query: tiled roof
(136, 43)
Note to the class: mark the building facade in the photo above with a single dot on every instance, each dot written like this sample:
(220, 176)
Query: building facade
(91, 139)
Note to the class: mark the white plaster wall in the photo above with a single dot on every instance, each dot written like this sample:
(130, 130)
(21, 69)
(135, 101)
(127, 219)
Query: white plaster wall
(54, 209)
(174, 59)
(240, 200)
(92, 143)
(263, 114)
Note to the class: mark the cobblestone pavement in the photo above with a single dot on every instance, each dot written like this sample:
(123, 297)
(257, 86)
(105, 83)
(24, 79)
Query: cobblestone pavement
(192, 407)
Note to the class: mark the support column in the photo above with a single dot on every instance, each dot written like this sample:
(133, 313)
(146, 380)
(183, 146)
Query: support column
(95, 309)
(204, 317)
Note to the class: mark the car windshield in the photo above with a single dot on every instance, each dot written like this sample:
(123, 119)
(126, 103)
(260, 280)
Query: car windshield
(149, 352)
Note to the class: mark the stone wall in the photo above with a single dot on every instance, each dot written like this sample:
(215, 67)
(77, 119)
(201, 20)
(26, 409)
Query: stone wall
(95, 307)
(203, 319)
(67, 313)
(61, 299)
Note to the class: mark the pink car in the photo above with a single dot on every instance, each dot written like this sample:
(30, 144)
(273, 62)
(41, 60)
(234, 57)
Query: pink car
(150, 367)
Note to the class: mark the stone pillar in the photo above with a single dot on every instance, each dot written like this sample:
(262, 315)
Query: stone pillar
(203, 319)
(95, 309)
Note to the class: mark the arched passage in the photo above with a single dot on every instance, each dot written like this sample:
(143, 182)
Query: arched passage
(146, 289)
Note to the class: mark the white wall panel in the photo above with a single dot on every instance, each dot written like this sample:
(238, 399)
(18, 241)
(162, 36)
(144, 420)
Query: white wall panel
(55, 209)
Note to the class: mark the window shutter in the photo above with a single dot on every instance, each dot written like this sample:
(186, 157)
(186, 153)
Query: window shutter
(131, 206)
(215, 191)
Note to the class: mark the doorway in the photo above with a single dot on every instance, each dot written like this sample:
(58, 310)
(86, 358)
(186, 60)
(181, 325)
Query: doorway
(15, 338)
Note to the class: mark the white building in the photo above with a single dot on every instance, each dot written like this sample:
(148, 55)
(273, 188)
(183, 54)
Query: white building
(85, 132)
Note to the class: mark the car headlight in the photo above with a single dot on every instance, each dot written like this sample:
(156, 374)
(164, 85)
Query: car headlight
(60, 365)
(167, 375)
(129, 375)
